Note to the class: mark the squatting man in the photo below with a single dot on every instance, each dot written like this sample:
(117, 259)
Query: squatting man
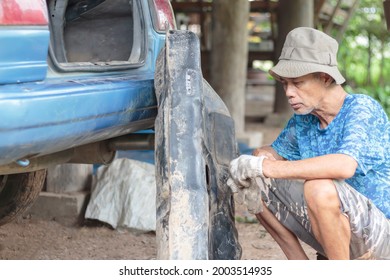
(325, 180)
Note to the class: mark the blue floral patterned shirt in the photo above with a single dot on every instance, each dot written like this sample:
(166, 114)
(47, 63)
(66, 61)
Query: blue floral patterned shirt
(361, 130)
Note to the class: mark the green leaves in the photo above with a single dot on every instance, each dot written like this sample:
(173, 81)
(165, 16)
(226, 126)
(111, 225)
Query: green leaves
(379, 93)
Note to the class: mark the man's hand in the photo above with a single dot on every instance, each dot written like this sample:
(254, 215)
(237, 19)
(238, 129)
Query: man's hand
(250, 196)
(244, 168)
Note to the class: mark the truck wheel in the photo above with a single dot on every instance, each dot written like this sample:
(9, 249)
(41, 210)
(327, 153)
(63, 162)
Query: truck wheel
(18, 192)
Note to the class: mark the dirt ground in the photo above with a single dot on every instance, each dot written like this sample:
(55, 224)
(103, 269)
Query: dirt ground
(36, 239)
(30, 238)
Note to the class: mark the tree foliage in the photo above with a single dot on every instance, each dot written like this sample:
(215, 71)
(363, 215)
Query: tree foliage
(364, 55)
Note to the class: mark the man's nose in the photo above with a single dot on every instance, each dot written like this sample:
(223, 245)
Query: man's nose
(289, 90)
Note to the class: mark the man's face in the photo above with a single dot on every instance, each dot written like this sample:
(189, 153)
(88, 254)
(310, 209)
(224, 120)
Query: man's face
(304, 93)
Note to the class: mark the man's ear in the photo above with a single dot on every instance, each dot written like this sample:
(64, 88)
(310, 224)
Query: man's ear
(327, 79)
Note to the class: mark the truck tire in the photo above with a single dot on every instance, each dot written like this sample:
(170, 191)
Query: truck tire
(18, 192)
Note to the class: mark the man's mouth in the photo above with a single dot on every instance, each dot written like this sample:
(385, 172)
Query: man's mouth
(296, 106)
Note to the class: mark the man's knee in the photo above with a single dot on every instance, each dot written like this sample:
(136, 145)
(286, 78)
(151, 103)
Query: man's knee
(321, 194)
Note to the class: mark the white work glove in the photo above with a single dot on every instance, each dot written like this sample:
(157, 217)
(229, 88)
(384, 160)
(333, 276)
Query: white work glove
(244, 168)
(244, 181)
(250, 196)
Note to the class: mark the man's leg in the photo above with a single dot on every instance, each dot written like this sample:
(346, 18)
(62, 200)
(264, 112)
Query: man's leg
(285, 217)
(287, 241)
(370, 229)
(330, 227)
(287, 211)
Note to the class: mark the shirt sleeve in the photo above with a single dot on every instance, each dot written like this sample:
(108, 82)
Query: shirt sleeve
(366, 134)
(286, 144)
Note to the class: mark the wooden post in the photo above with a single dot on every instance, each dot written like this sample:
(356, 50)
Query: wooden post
(229, 56)
(291, 14)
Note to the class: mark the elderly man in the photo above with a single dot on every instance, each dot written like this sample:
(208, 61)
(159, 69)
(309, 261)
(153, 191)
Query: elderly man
(326, 179)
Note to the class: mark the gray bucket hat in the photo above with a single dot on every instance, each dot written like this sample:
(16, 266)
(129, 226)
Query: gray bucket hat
(307, 50)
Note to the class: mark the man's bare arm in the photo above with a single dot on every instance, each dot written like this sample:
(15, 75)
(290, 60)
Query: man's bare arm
(267, 151)
(333, 166)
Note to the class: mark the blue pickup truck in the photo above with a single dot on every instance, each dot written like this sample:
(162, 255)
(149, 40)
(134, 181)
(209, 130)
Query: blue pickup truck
(80, 79)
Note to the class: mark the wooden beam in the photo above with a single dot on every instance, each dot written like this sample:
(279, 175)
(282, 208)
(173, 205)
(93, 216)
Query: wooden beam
(317, 10)
(261, 55)
(386, 8)
(352, 10)
(191, 7)
(199, 7)
(263, 6)
(329, 25)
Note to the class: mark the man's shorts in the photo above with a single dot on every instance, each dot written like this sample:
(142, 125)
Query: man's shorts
(370, 229)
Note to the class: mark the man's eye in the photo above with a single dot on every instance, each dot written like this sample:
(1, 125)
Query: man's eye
(297, 84)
